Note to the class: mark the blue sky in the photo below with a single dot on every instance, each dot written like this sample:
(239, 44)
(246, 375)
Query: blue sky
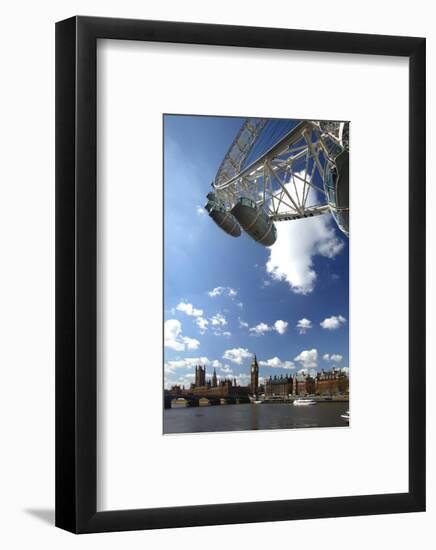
(226, 298)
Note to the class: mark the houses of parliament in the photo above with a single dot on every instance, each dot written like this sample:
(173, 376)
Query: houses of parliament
(325, 383)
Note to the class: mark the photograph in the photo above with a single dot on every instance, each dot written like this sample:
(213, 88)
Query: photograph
(224, 326)
(256, 273)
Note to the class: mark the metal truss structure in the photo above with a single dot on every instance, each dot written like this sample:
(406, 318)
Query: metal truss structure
(290, 180)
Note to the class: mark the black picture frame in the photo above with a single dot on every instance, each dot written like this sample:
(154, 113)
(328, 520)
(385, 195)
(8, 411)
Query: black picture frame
(76, 273)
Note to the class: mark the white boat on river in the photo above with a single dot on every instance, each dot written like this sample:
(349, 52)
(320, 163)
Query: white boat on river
(255, 399)
(304, 402)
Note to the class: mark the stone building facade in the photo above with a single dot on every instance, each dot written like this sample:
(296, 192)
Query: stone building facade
(279, 386)
(331, 382)
(326, 383)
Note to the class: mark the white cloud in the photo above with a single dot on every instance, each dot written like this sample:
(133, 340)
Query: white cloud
(223, 290)
(311, 372)
(202, 324)
(217, 291)
(242, 379)
(333, 322)
(277, 363)
(307, 358)
(335, 357)
(260, 329)
(188, 362)
(191, 343)
(291, 257)
(189, 309)
(218, 320)
(280, 326)
(220, 332)
(174, 339)
(240, 305)
(303, 325)
(237, 355)
(172, 330)
(183, 380)
(243, 324)
(226, 369)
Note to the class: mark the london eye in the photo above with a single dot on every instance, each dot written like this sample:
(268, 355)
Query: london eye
(281, 171)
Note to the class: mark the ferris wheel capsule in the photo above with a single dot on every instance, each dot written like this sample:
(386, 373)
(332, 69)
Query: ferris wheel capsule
(224, 219)
(255, 221)
(336, 184)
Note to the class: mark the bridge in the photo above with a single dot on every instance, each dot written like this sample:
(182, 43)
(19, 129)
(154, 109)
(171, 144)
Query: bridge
(194, 400)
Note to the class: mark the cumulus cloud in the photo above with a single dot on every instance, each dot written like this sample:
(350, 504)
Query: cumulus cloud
(242, 379)
(237, 355)
(223, 290)
(174, 339)
(218, 320)
(188, 362)
(190, 343)
(307, 358)
(220, 332)
(189, 309)
(310, 372)
(334, 357)
(260, 329)
(333, 322)
(291, 257)
(172, 332)
(279, 326)
(181, 380)
(277, 363)
(202, 324)
(303, 325)
(226, 369)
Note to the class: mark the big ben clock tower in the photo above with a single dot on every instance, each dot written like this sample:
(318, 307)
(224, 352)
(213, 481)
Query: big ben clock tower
(254, 372)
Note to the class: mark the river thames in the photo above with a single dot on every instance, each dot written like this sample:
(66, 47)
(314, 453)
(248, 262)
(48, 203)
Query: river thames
(223, 418)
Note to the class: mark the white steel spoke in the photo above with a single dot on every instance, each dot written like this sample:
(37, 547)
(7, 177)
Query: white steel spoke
(281, 179)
